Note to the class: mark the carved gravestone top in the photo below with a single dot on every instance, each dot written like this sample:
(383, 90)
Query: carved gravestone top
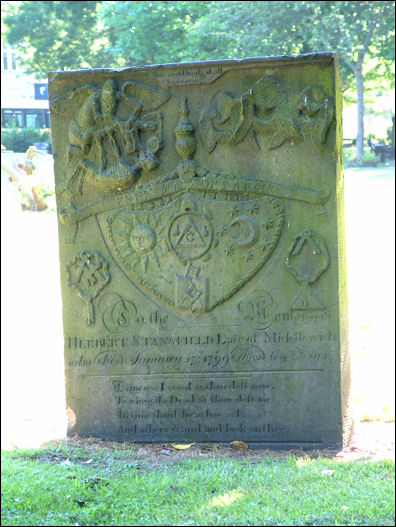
(200, 213)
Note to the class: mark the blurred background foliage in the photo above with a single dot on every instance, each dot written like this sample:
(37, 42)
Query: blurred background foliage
(19, 139)
(63, 35)
(73, 35)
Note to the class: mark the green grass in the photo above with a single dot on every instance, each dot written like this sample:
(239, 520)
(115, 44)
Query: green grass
(65, 485)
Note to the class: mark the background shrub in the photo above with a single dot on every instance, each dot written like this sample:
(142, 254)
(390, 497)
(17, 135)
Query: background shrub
(19, 139)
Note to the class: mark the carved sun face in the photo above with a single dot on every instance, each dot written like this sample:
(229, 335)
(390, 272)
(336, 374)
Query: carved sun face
(143, 239)
(137, 237)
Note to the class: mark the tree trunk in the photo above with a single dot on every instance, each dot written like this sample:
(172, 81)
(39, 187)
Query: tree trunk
(360, 113)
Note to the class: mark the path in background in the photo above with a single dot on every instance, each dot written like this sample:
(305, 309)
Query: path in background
(33, 399)
(32, 378)
(370, 232)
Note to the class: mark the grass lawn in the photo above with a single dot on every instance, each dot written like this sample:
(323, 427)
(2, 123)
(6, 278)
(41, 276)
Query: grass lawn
(66, 485)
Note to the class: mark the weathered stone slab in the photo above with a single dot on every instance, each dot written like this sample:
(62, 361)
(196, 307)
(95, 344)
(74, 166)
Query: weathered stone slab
(202, 254)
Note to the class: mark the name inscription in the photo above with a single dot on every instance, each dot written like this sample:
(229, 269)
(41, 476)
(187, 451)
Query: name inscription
(266, 337)
(179, 77)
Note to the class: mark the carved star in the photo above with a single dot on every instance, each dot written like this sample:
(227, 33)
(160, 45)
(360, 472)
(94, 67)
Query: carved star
(268, 223)
(249, 255)
(156, 219)
(253, 207)
(207, 213)
(233, 210)
(221, 230)
(264, 244)
(229, 250)
(166, 246)
(111, 218)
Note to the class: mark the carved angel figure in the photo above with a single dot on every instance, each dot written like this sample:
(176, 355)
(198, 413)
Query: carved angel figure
(262, 110)
(316, 111)
(270, 111)
(104, 145)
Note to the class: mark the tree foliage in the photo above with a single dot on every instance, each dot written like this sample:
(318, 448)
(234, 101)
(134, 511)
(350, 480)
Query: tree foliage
(232, 29)
(152, 32)
(55, 36)
(74, 35)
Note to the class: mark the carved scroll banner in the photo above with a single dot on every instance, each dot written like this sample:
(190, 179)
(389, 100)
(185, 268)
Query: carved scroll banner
(200, 211)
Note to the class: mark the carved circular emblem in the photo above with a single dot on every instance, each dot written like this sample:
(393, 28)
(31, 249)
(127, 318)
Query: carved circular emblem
(244, 231)
(190, 235)
(143, 239)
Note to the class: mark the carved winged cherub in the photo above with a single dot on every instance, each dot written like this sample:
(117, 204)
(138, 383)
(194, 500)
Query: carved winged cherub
(104, 145)
(268, 109)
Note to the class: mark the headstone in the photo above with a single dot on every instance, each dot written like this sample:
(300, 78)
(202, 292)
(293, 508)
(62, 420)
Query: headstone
(202, 251)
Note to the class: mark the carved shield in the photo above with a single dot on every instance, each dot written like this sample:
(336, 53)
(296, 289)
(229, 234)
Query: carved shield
(194, 252)
(190, 237)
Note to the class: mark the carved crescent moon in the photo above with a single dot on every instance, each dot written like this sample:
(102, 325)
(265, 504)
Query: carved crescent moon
(249, 228)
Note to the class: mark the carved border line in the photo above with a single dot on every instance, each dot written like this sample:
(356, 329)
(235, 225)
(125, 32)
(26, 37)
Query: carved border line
(216, 183)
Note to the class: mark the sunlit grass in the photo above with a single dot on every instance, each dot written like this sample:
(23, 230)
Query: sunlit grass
(226, 499)
(65, 485)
